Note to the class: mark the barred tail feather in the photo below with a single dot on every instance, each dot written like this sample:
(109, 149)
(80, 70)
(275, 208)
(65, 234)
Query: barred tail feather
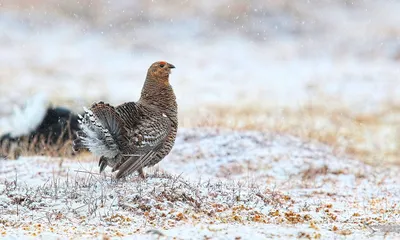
(98, 134)
(77, 144)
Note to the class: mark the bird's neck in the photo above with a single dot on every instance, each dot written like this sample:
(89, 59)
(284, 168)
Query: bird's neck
(159, 93)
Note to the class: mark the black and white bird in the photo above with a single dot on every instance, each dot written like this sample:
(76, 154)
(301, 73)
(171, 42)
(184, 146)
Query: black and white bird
(37, 120)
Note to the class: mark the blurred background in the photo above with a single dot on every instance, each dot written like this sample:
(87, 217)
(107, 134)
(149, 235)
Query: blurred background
(229, 54)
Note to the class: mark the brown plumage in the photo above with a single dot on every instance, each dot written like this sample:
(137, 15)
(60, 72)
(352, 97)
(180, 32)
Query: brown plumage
(133, 135)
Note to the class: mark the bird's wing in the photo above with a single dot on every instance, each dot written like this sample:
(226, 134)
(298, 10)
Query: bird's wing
(155, 133)
(108, 118)
(130, 113)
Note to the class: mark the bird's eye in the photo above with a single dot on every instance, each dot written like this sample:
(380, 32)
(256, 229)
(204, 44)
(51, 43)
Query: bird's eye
(162, 65)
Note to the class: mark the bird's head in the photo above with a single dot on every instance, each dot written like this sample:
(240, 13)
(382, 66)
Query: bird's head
(160, 70)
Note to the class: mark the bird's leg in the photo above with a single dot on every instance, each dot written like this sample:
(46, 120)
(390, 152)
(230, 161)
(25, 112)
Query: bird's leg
(141, 173)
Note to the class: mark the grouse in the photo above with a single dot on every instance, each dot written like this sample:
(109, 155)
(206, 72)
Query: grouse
(37, 126)
(133, 135)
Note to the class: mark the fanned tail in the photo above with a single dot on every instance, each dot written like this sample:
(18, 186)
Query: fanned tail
(101, 129)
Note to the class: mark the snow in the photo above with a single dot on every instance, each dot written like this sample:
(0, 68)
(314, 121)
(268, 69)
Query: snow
(216, 183)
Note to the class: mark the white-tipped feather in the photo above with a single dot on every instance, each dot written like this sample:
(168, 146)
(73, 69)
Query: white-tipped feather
(97, 138)
(26, 119)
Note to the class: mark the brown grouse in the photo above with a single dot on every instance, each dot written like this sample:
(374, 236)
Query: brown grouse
(133, 135)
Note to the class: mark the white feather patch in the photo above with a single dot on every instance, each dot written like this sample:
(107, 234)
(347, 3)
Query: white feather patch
(97, 139)
(26, 119)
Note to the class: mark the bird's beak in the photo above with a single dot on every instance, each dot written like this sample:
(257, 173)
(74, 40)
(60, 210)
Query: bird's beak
(170, 65)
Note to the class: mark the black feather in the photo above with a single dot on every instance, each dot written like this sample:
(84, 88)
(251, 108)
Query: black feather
(57, 127)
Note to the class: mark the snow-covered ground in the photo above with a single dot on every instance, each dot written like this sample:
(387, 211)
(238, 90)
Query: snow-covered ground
(216, 183)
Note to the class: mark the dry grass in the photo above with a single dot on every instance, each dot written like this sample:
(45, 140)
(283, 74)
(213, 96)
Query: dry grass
(163, 201)
(35, 147)
(371, 137)
(74, 199)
